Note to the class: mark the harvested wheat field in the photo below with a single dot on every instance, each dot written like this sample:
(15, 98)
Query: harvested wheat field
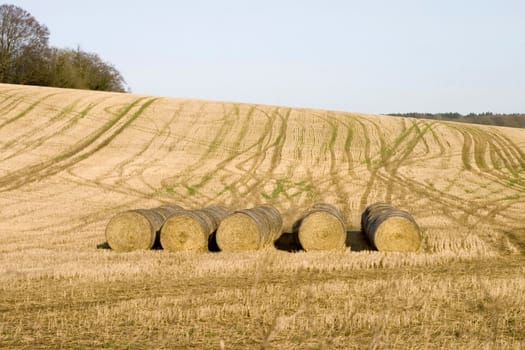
(71, 160)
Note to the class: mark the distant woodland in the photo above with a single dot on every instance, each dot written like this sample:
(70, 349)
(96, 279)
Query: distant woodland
(514, 120)
(26, 57)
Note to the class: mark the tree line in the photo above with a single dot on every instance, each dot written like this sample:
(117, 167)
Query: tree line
(26, 57)
(514, 120)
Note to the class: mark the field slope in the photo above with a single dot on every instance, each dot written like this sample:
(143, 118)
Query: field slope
(70, 159)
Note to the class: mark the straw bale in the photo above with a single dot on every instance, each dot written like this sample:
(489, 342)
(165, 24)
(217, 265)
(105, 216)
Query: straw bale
(371, 210)
(133, 230)
(191, 229)
(168, 210)
(137, 229)
(390, 229)
(322, 228)
(250, 229)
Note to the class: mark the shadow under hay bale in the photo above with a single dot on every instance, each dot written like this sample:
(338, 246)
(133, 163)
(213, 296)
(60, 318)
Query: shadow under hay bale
(104, 245)
(288, 241)
(137, 229)
(191, 229)
(321, 228)
(250, 229)
(390, 229)
(357, 242)
(212, 243)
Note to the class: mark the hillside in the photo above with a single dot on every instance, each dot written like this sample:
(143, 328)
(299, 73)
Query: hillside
(98, 153)
(70, 159)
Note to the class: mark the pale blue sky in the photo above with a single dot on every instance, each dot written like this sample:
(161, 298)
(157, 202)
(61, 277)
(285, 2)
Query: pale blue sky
(366, 56)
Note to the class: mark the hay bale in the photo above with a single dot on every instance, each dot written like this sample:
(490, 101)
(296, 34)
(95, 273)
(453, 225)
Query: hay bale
(216, 213)
(168, 210)
(137, 229)
(191, 229)
(250, 229)
(133, 230)
(390, 229)
(322, 228)
(372, 209)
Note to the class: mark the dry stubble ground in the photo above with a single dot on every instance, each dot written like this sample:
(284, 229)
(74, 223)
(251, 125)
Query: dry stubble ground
(71, 159)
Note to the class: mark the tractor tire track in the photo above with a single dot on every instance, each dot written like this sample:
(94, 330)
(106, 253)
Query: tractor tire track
(254, 160)
(262, 146)
(258, 149)
(4, 109)
(228, 120)
(35, 129)
(78, 152)
(45, 137)
(26, 111)
(368, 162)
(227, 179)
(348, 144)
(385, 155)
(119, 167)
(334, 174)
(409, 146)
(476, 144)
(447, 201)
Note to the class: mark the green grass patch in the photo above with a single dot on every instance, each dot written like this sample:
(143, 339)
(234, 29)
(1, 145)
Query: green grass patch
(290, 189)
(226, 188)
(516, 181)
(386, 152)
(280, 188)
(192, 190)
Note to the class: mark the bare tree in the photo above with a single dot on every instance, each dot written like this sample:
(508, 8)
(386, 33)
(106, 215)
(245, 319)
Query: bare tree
(26, 58)
(23, 44)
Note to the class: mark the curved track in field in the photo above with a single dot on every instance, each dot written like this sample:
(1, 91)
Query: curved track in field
(70, 159)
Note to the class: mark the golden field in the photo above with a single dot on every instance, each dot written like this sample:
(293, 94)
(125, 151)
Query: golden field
(71, 159)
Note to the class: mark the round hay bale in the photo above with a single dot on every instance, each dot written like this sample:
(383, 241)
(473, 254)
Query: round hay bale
(191, 229)
(250, 229)
(390, 229)
(137, 229)
(133, 230)
(216, 213)
(322, 228)
(373, 208)
(168, 210)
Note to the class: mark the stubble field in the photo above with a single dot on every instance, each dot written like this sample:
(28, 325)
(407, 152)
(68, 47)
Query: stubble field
(70, 159)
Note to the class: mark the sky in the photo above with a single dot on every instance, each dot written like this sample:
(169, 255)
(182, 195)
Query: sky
(374, 56)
